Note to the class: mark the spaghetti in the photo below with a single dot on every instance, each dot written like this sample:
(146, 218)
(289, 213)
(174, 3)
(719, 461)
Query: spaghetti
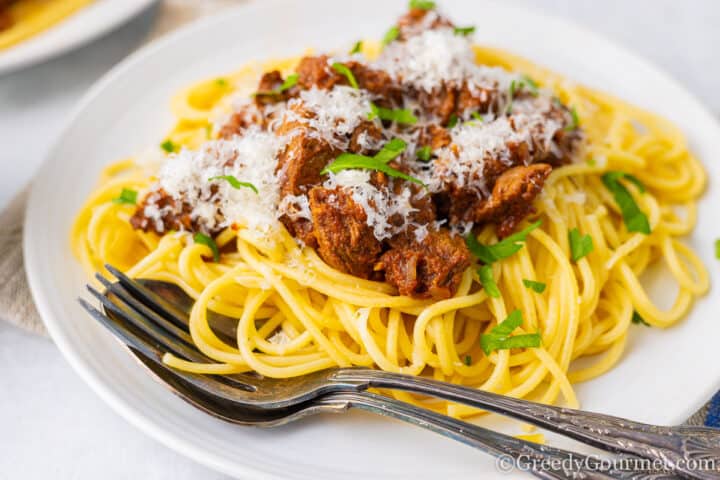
(296, 314)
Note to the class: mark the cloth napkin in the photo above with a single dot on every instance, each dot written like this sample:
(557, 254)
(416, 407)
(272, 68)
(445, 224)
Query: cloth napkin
(16, 305)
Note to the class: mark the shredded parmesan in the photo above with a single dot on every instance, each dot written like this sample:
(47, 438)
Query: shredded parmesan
(217, 204)
(387, 213)
(330, 114)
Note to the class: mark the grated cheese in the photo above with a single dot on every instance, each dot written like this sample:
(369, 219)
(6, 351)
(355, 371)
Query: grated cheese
(216, 204)
(333, 114)
(380, 206)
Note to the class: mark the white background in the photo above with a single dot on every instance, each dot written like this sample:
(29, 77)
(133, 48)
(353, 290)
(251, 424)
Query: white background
(52, 425)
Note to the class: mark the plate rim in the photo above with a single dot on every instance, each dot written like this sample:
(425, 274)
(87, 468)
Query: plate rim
(136, 416)
(92, 32)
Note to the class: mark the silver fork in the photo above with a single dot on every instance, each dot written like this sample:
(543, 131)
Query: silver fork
(539, 460)
(160, 311)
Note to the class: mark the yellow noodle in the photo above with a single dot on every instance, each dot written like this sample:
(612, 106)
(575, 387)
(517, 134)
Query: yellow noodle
(296, 314)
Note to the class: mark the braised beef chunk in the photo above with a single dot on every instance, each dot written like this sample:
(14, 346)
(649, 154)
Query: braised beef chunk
(300, 163)
(268, 89)
(431, 268)
(481, 150)
(175, 215)
(417, 20)
(344, 239)
(512, 197)
(366, 139)
(435, 137)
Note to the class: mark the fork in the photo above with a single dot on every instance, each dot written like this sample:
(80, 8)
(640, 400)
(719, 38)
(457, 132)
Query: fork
(160, 310)
(540, 460)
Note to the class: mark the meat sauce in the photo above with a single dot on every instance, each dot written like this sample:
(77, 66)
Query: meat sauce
(426, 255)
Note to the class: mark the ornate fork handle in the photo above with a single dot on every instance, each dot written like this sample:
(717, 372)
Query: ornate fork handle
(511, 453)
(693, 452)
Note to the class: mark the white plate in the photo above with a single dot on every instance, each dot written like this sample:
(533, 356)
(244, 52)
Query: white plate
(74, 31)
(662, 378)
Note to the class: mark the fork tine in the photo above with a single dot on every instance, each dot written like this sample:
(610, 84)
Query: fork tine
(147, 346)
(131, 302)
(149, 298)
(165, 342)
(158, 336)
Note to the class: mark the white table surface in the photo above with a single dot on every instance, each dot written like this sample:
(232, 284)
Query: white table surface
(51, 424)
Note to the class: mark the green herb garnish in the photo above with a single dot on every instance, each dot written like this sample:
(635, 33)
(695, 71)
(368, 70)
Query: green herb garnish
(468, 360)
(168, 146)
(580, 245)
(221, 82)
(592, 162)
(717, 248)
(488, 282)
(234, 182)
(399, 115)
(422, 4)
(499, 337)
(343, 69)
(477, 116)
(538, 287)
(391, 150)
(127, 196)
(503, 249)
(391, 35)
(453, 121)
(379, 163)
(637, 319)
(464, 31)
(424, 154)
(516, 85)
(203, 239)
(357, 48)
(530, 85)
(575, 123)
(289, 82)
(635, 220)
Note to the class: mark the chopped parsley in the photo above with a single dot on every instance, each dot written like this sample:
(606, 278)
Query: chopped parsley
(391, 35)
(221, 82)
(580, 245)
(477, 116)
(203, 239)
(468, 360)
(502, 249)
(169, 146)
(379, 163)
(488, 282)
(592, 162)
(422, 4)
(391, 150)
(575, 123)
(530, 85)
(399, 115)
(127, 196)
(516, 85)
(499, 337)
(717, 248)
(637, 319)
(234, 182)
(289, 82)
(635, 220)
(538, 287)
(343, 69)
(424, 153)
(453, 121)
(357, 48)
(464, 31)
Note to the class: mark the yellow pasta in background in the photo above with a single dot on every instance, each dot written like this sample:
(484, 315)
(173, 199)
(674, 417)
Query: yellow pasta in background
(29, 17)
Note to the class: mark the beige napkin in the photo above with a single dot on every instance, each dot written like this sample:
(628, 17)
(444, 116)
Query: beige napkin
(16, 305)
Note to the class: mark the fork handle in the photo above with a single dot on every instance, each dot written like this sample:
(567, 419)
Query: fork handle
(511, 453)
(693, 452)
